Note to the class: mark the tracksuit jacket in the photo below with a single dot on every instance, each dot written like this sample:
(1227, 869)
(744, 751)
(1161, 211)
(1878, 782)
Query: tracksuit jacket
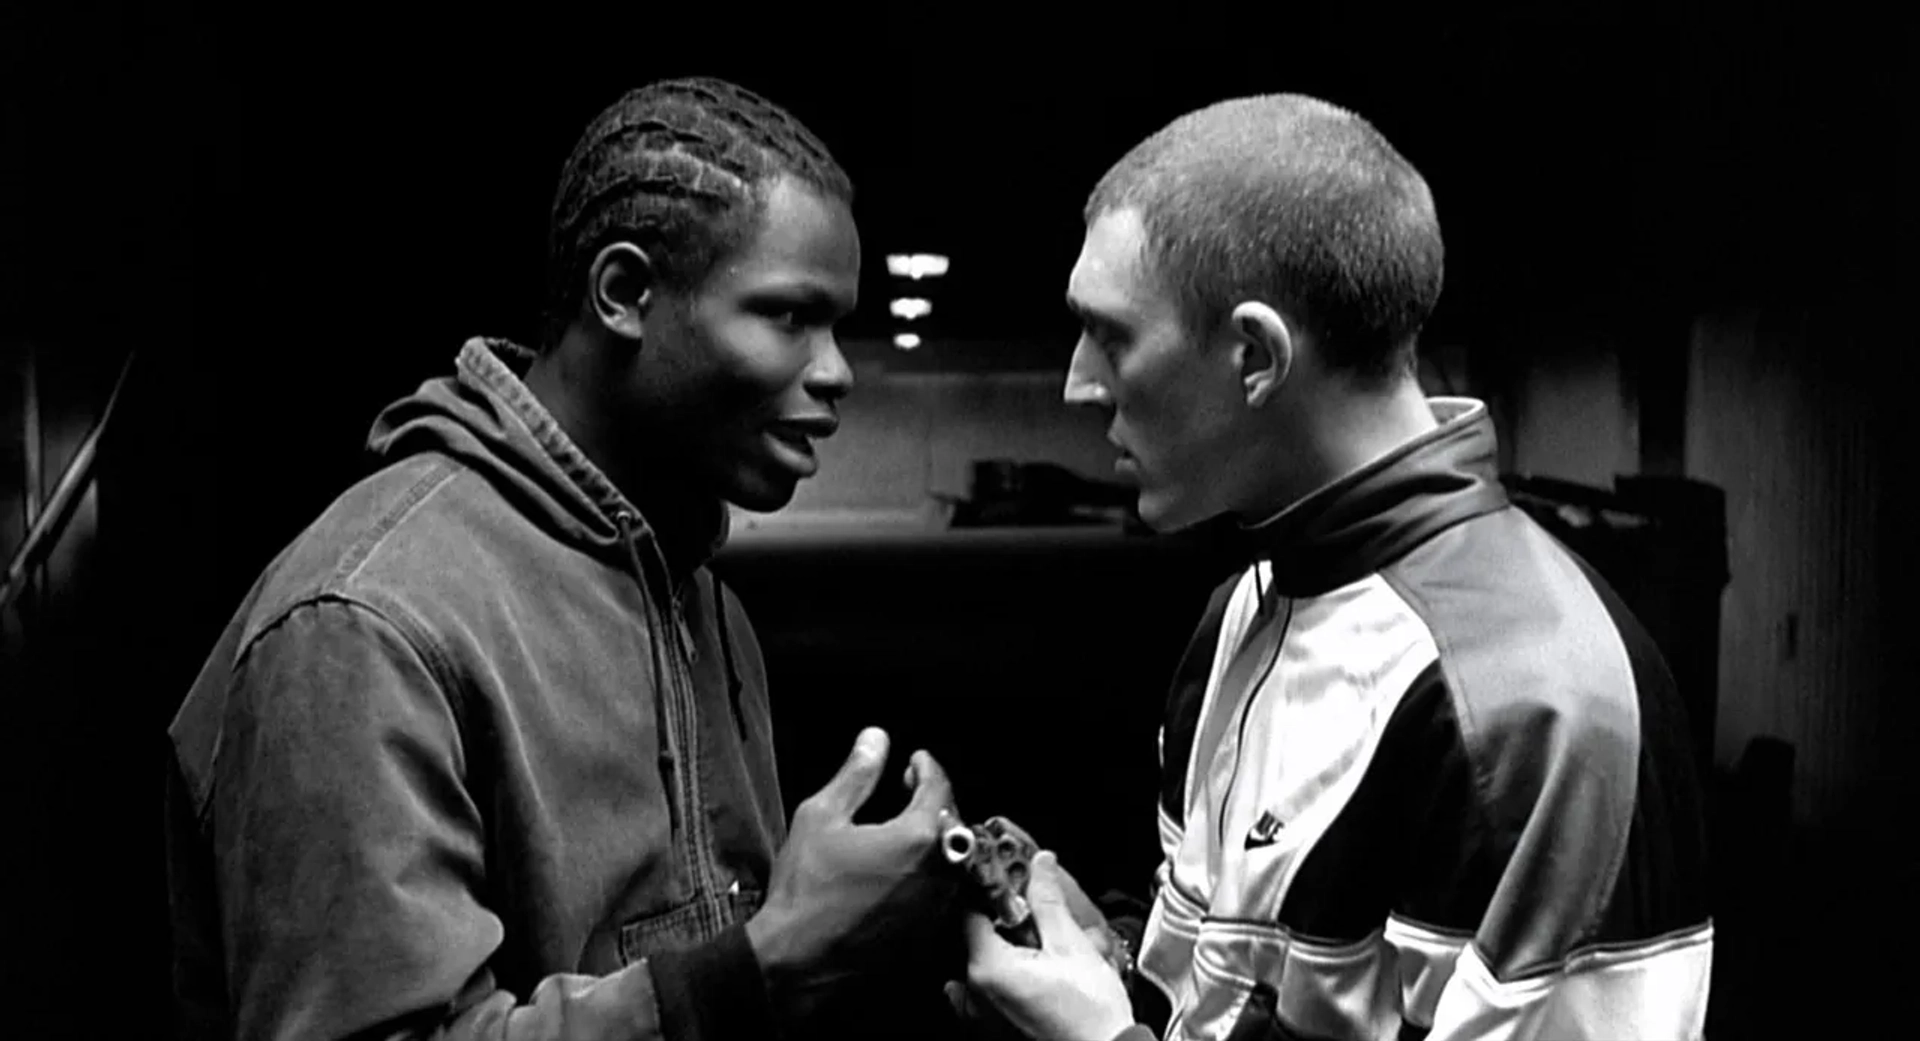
(1424, 776)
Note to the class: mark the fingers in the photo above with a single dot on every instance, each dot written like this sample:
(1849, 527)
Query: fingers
(912, 780)
(957, 997)
(1047, 899)
(1100, 940)
(985, 945)
(854, 784)
(1085, 912)
(932, 791)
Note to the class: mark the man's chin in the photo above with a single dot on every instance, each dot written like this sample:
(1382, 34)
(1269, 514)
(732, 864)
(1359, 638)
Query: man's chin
(1167, 514)
(762, 496)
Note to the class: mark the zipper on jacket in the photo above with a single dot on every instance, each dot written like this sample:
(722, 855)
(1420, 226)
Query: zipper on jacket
(679, 743)
(699, 843)
(665, 694)
(1246, 711)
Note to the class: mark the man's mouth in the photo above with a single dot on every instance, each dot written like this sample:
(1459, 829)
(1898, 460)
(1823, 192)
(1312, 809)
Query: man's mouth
(802, 432)
(793, 439)
(796, 436)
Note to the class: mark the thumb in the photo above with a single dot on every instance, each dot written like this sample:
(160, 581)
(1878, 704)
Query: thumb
(854, 784)
(1047, 899)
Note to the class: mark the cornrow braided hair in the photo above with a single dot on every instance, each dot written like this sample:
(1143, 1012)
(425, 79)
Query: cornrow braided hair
(678, 167)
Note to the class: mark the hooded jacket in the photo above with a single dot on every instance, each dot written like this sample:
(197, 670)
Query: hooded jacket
(474, 759)
(1424, 776)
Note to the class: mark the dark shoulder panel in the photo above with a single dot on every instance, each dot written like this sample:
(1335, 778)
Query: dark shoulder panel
(1544, 695)
(1383, 850)
(1663, 884)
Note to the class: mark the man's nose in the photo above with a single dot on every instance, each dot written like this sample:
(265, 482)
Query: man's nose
(1085, 382)
(828, 376)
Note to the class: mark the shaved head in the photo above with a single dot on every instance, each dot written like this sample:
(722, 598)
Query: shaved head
(1294, 202)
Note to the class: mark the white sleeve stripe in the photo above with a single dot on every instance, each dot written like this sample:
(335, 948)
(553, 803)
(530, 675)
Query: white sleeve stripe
(1659, 990)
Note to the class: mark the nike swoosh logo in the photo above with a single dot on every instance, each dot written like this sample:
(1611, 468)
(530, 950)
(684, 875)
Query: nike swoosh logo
(1265, 831)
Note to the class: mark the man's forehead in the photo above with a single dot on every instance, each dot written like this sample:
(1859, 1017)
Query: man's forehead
(805, 243)
(1113, 244)
(796, 219)
(1107, 276)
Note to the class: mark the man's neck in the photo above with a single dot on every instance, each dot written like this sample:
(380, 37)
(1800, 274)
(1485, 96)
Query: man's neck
(1365, 429)
(1353, 431)
(685, 521)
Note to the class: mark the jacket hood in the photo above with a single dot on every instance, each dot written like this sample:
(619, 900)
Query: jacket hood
(1364, 521)
(485, 417)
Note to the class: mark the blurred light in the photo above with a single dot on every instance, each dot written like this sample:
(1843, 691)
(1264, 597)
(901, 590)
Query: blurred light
(910, 308)
(907, 341)
(916, 265)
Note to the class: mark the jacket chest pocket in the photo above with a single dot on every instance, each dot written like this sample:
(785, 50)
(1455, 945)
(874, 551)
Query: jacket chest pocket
(688, 925)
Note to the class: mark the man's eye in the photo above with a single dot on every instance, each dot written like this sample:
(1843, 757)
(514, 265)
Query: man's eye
(1104, 337)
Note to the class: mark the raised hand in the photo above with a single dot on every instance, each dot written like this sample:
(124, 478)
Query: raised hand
(843, 896)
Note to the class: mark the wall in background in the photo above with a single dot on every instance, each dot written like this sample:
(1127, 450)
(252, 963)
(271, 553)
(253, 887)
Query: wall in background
(913, 427)
(907, 439)
(1788, 411)
(1570, 419)
(1785, 415)
(1766, 419)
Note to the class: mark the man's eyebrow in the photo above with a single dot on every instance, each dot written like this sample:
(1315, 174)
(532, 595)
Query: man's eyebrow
(807, 295)
(1093, 315)
(1087, 312)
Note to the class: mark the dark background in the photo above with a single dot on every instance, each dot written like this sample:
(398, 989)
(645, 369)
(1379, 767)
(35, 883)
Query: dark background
(295, 218)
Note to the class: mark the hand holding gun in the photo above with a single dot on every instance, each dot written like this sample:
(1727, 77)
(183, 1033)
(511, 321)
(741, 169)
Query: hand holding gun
(998, 859)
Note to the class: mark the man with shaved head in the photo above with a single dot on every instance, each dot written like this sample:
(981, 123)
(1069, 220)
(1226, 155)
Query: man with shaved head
(1423, 775)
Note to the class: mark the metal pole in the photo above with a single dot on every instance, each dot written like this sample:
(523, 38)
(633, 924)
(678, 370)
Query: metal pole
(60, 506)
(33, 447)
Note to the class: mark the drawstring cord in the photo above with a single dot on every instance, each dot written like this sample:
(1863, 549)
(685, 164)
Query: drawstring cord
(726, 650)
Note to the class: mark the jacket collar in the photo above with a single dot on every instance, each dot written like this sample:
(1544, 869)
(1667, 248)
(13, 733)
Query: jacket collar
(495, 368)
(1369, 518)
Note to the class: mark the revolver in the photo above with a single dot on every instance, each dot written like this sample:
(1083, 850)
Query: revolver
(998, 859)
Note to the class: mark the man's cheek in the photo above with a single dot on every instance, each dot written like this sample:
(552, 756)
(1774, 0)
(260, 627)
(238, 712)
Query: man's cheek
(752, 353)
(755, 386)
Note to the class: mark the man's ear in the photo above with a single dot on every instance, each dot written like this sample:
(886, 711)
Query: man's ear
(620, 288)
(1265, 347)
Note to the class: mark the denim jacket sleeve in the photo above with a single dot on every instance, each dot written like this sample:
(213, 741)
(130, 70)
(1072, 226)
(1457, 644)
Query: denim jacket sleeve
(348, 856)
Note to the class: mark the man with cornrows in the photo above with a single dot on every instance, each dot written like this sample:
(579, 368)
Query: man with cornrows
(486, 751)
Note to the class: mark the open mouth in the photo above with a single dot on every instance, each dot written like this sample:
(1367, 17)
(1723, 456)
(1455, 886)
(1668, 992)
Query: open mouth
(792, 445)
(793, 439)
